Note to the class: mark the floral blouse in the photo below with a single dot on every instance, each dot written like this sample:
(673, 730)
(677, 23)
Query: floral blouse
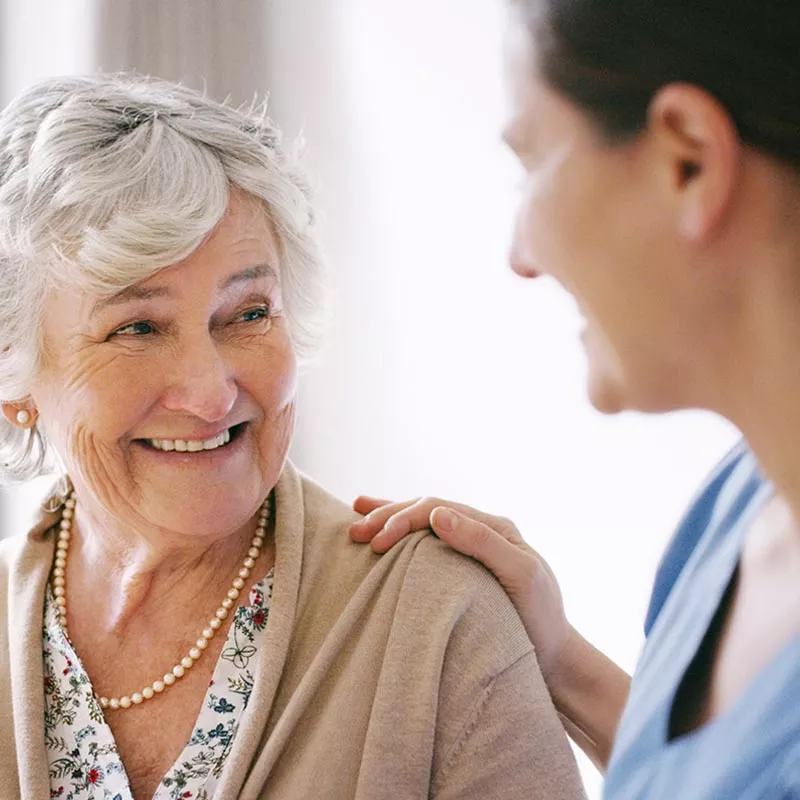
(83, 757)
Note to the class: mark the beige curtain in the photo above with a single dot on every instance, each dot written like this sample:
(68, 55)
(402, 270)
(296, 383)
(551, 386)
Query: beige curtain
(216, 45)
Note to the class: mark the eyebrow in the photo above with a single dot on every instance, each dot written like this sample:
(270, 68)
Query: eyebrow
(136, 292)
(254, 273)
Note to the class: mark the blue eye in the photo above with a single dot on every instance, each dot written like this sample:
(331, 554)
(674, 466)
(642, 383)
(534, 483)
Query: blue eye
(254, 314)
(140, 328)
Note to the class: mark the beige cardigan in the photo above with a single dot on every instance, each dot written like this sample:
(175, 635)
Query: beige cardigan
(402, 676)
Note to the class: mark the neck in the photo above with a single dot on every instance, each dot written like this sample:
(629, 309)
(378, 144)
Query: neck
(748, 367)
(128, 574)
(761, 392)
(776, 448)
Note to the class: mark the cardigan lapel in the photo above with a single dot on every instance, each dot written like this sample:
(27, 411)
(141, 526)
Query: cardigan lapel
(289, 533)
(27, 583)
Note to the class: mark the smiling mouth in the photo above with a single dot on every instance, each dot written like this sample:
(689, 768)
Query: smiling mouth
(195, 445)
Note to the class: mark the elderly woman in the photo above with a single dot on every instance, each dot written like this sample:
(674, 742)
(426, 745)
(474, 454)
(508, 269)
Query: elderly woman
(188, 620)
(661, 147)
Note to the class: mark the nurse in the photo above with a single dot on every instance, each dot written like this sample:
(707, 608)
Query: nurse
(661, 145)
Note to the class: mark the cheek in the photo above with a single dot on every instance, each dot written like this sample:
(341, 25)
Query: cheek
(282, 388)
(273, 387)
(108, 396)
(576, 213)
(546, 225)
(273, 379)
(88, 406)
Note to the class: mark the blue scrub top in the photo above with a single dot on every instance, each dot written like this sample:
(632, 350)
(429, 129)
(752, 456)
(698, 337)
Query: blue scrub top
(750, 751)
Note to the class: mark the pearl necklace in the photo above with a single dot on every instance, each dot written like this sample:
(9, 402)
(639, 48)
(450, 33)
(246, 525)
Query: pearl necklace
(214, 624)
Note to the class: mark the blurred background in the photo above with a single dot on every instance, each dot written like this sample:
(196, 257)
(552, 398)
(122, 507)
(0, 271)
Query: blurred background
(444, 374)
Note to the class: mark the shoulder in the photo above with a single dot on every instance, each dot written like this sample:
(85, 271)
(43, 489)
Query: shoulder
(435, 586)
(485, 630)
(721, 500)
(435, 564)
(328, 520)
(322, 509)
(329, 554)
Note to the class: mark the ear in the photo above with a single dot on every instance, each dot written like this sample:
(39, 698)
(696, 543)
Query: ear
(21, 415)
(702, 152)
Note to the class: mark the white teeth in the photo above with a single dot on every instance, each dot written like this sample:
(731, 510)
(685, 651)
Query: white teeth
(187, 446)
(220, 440)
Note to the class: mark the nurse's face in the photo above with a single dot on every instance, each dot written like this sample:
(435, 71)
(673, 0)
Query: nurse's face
(598, 218)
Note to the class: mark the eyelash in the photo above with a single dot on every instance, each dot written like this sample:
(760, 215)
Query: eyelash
(264, 311)
(121, 331)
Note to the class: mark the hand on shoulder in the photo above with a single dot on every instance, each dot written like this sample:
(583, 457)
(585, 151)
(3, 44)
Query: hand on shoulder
(495, 542)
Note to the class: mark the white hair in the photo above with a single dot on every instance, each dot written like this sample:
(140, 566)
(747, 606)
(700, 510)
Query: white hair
(104, 180)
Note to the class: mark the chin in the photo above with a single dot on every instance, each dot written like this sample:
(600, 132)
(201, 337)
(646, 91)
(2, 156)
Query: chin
(204, 511)
(609, 394)
(604, 387)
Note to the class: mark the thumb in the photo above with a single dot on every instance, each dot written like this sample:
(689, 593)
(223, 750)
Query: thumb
(508, 563)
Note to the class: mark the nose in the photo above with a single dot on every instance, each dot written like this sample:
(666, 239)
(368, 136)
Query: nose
(522, 267)
(519, 256)
(201, 382)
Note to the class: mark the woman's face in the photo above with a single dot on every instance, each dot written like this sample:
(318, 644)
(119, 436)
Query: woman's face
(172, 404)
(597, 218)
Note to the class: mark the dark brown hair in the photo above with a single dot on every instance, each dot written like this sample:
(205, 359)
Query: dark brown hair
(611, 56)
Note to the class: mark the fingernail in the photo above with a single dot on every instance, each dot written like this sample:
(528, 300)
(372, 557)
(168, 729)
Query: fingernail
(446, 520)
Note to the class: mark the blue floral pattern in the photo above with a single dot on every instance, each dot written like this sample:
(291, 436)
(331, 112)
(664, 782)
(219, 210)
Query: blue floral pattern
(83, 757)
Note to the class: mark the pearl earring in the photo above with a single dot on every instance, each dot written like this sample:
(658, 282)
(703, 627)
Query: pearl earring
(23, 416)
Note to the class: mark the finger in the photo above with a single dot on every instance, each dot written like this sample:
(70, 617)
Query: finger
(414, 517)
(510, 565)
(364, 529)
(365, 503)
